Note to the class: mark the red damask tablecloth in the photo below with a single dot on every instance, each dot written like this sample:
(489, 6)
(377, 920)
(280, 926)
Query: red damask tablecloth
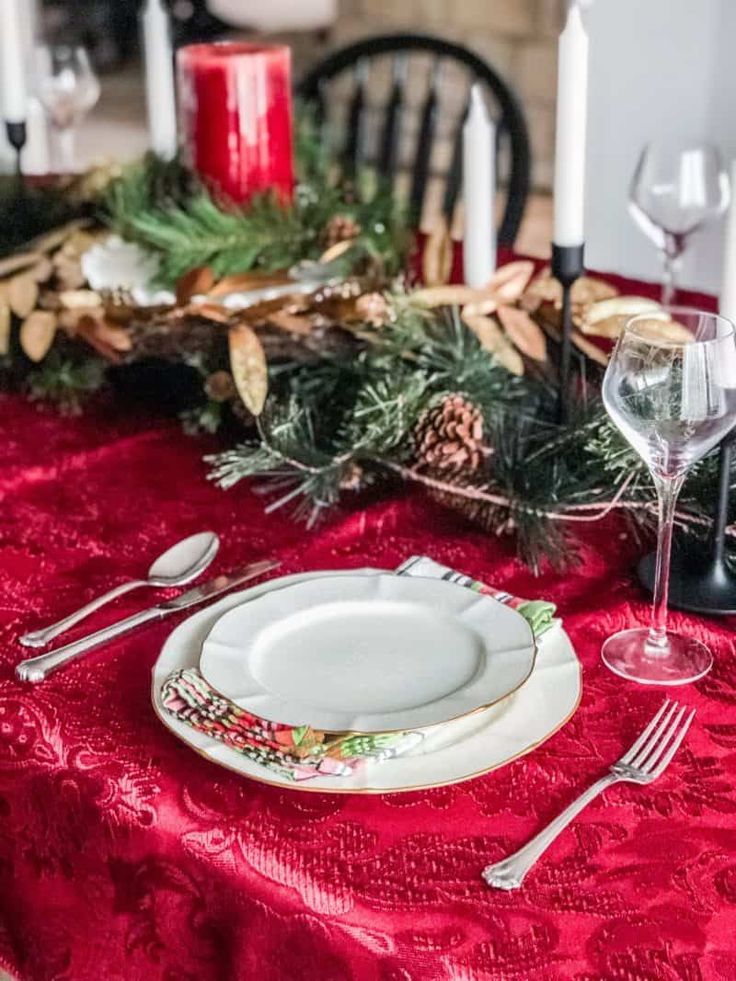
(123, 855)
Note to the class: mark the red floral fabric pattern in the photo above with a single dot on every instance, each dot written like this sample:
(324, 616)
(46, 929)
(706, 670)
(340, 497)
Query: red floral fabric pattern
(123, 855)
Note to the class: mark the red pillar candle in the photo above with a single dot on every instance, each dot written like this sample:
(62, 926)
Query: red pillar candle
(236, 117)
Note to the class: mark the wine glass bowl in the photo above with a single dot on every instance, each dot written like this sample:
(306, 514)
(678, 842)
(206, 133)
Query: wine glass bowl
(678, 187)
(67, 89)
(670, 388)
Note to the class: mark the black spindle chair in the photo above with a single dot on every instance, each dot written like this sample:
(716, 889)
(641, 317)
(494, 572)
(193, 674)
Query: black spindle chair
(410, 129)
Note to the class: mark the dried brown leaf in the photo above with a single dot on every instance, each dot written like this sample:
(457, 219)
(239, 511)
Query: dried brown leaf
(294, 323)
(248, 367)
(5, 319)
(524, 332)
(211, 311)
(197, 281)
(22, 294)
(243, 282)
(37, 334)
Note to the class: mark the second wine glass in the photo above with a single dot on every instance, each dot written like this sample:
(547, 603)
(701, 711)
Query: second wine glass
(678, 186)
(67, 88)
(670, 388)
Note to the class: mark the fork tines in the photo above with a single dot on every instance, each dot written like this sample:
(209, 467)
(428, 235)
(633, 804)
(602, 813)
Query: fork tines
(655, 747)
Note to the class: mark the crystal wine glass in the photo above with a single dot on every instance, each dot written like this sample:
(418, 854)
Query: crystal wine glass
(670, 388)
(677, 187)
(68, 88)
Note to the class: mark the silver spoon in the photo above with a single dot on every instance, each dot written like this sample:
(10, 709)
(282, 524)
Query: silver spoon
(178, 565)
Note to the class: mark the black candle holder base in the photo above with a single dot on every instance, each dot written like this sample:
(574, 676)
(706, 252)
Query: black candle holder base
(698, 582)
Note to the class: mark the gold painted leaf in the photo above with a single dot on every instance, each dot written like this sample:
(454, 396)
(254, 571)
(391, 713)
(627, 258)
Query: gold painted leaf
(337, 250)
(509, 282)
(437, 256)
(526, 334)
(22, 293)
(18, 262)
(249, 368)
(37, 334)
(448, 296)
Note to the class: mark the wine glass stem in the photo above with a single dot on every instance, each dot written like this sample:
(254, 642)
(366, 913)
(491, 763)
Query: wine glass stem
(668, 489)
(671, 253)
(66, 143)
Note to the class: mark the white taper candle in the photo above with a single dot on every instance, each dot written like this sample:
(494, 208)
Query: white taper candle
(572, 105)
(479, 186)
(727, 304)
(160, 86)
(13, 89)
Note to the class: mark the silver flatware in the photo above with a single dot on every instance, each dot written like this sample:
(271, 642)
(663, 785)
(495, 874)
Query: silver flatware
(644, 762)
(177, 566)
(37, 669)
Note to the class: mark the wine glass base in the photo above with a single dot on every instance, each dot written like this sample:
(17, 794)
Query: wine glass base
(629, 655)
(697, 583)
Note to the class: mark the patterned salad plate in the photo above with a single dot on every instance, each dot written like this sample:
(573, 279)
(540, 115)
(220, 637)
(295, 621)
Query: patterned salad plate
(523, 711)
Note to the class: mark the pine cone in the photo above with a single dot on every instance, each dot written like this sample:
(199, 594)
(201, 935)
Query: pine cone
(449, 437)
(340, 228)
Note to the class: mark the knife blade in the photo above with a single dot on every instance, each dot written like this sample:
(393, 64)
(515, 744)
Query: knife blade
(35, 669)
(220, 584)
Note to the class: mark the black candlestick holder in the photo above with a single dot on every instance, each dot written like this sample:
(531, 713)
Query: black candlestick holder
(17, 135)
(567, 267)
(700, 580)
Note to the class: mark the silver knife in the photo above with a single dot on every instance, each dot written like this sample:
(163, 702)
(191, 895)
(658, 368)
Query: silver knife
(35, 669)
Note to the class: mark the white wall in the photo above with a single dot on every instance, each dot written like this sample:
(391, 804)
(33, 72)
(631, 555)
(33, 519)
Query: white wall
(658, 68)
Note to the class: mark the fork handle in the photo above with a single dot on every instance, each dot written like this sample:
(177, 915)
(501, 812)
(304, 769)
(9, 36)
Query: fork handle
(510, 872)
(39, 638)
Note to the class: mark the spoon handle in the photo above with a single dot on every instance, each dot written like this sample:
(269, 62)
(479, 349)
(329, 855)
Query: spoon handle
(39, 638)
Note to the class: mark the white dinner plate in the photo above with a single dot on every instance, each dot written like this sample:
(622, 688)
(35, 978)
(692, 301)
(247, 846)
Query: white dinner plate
(368, 654)
(465, 748)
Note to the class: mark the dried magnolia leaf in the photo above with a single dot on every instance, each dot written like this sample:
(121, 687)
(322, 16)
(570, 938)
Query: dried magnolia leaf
(437, 256)
(18, 262)
(585, 291)
(487, 306)
(337, 250)
(37, 334)
(609, 317)
(244, 282)
(663, 330)
(524, 332)
(4, 326)
(294, 323)
(194, 283)
(107, 339)
(509, 282)
(447, 296)
(78, 243)
(57, 236)
(589, 349)
(493, 340)
(43, 270)
(79, 299)
(22, 294)
(249, 368)
(211, 311)
(601, 316)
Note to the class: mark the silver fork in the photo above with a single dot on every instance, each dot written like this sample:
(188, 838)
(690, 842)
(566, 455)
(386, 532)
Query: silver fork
(644, 762)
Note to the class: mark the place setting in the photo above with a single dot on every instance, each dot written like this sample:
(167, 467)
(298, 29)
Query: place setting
(349, 366)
